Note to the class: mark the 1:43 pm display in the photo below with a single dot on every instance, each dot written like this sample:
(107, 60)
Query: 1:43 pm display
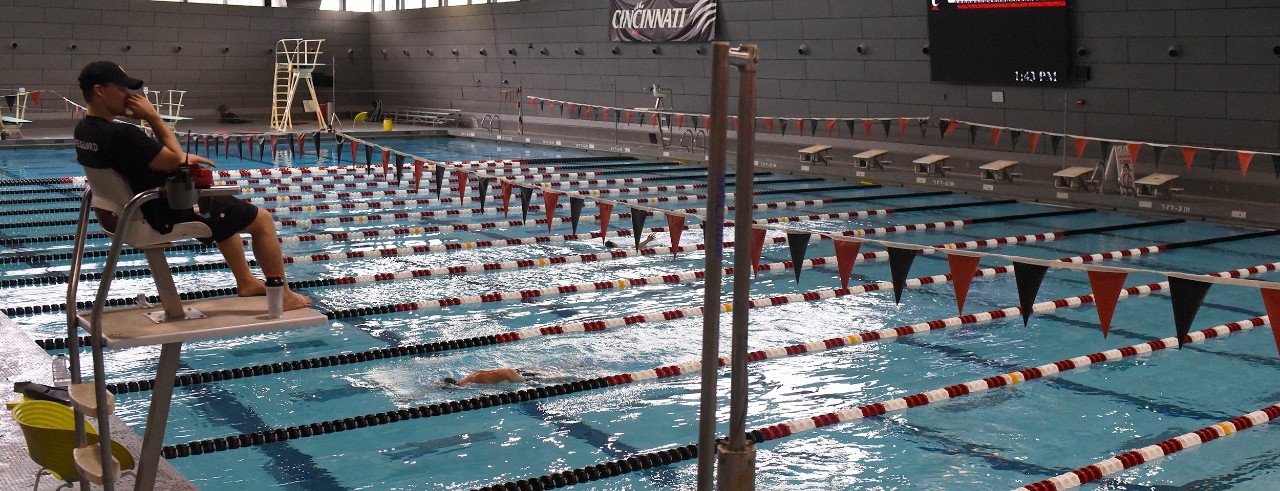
(1035, 76)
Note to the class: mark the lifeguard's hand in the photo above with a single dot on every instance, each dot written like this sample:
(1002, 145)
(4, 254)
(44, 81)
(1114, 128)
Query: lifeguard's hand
(196, 159)
(140, 107)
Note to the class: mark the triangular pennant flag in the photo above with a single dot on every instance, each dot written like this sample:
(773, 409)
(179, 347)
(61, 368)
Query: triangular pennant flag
(675, 225)
(368, 158)
(628, 117)
(1106, 287)
(1275, 164)
(354, 145)
(1028, 278)
(337, 152)
(1014, 136)
(302, 142)
(549, 201)
(706, 122)
(1080, 143)
(799, 126)
(768, 125)
(951, 126)
(1271, 300)
(680, 121)
(1214, 156)
(575, 212)
(886, 124)
(962, 269)
(1134, 150)
(902, 127)
(586, 112)
(757, 248)
(274, 140)
(217, 148)
(995, 136)
(1187, 296)
(417, 175)
(1055, 142)
(899, 267)
(485, 182)
(526, 194)
(638, 217)
(973, 135)
(226, 146)
(315, 141)
(262, 143)
(506, 198)
(799, 244)
(813, 127)
(439, 174)
(735, 123)
(782, 125)
(399, 167)
(1159, 153)
(851, 124)
(542, 105)
(386, 160)
(1033, 139)
(11, 101)
(240, 146)
(655, 120)
(553, 106)
(1245, 158)
(942, 128)
(290, 145)
(924, 126)
(35, 96)
(1105, 146)
(605, 116)
(866, 126)
(606, 212)
(846, 256)
(831, 127)
(462, 185)
(573, 111)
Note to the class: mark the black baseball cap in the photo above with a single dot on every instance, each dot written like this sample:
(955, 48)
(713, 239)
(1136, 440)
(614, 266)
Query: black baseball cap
(104, 72)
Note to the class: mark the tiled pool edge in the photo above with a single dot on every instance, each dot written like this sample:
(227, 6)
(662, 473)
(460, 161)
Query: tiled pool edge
(20, 357)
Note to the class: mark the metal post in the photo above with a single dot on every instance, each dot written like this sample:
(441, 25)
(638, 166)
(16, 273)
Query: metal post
(714, 239)
(157, 416)
(737, 463)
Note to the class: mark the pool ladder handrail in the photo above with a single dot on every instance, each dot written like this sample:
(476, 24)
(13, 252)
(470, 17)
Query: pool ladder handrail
(491, 123)
(689, 140)
(149, 458)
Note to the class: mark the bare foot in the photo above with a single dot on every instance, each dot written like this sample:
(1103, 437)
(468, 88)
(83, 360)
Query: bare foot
(294, 300)
(255, 289)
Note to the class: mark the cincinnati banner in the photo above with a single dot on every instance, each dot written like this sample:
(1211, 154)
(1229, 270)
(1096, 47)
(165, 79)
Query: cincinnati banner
(658, 21)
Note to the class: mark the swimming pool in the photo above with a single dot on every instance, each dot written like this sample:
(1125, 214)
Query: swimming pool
(1004, 437)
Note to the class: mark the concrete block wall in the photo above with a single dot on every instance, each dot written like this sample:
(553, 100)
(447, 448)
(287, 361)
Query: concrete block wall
(1222, 90)
(143, 36)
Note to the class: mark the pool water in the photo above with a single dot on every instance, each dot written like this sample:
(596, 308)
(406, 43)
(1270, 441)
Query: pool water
(1001, 438)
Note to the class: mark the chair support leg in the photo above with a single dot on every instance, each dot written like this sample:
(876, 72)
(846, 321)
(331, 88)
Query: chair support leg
(158, 416)
(164, 284)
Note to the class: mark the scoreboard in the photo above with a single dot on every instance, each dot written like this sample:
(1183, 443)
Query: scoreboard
(999, 42)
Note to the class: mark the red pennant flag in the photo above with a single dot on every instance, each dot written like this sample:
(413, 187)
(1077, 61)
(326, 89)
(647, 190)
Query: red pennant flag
(417, 174)
(606, 114)
(831, 127)
(549, 200)
(757, 248)
(586, 112)
(386, 159)
(995, 136)
(680, 121)
(866, 125)
(1034, 139)
(1134, 150)
(628, 117)
(706, 122)
(951, 126)
(226, 146)
(354, 146)
(571, 107)
(962, 269)
(768, 125)
(675, 225)
(735, 123)
(506, 198)
(1245, 158)
(35, 96)
(655, 119)
(799, 126)
(1271, 299)
(1188, 155)
(1106, 292)
(846, 256)
(606, 209)
(273, 143)
(1080, 144)
(902, 126)
(302, 138)
(462, 185)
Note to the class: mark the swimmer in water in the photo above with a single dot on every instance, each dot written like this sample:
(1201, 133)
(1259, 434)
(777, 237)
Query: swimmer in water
(609, 244)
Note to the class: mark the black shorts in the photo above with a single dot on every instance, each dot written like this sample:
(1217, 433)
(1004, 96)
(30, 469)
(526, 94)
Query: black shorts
(227, 216)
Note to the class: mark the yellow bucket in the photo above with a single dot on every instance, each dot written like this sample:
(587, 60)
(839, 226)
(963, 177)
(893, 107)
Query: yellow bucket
(386, 124)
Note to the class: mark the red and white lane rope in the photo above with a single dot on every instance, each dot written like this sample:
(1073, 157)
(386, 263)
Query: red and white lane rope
(382, 185)
(1150, 453)
(793, 427)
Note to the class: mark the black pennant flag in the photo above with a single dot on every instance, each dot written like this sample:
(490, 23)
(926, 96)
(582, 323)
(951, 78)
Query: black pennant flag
(1106, 148)
(399, 165)
(783, 123)
(240, 145)
(1275, 163)
(798, 243)
(1055, 141)
(291, 150)
(942, 127)
(10, 100)
(575, 212)
(1015, 135)
(1028, 278)
(899, 266)
(315, 141)
(217, 145)
(439, 171)
(886, 124)
(484, 190)
(638, 216)
(813, 127)
(262, 143)
(338, 156)
(526, 194)
(1159, 153)
(851, 124)
(1214, 156)
(924, 126)
(973, 134)
(1187, 296)
(368, 158)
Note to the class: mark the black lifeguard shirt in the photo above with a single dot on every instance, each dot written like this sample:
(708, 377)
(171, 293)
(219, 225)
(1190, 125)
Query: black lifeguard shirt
(103, 144)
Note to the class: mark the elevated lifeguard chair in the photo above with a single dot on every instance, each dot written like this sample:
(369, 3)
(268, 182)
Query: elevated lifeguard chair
(141, 325)
(11, 126)
(168, 103)
(296, 59)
